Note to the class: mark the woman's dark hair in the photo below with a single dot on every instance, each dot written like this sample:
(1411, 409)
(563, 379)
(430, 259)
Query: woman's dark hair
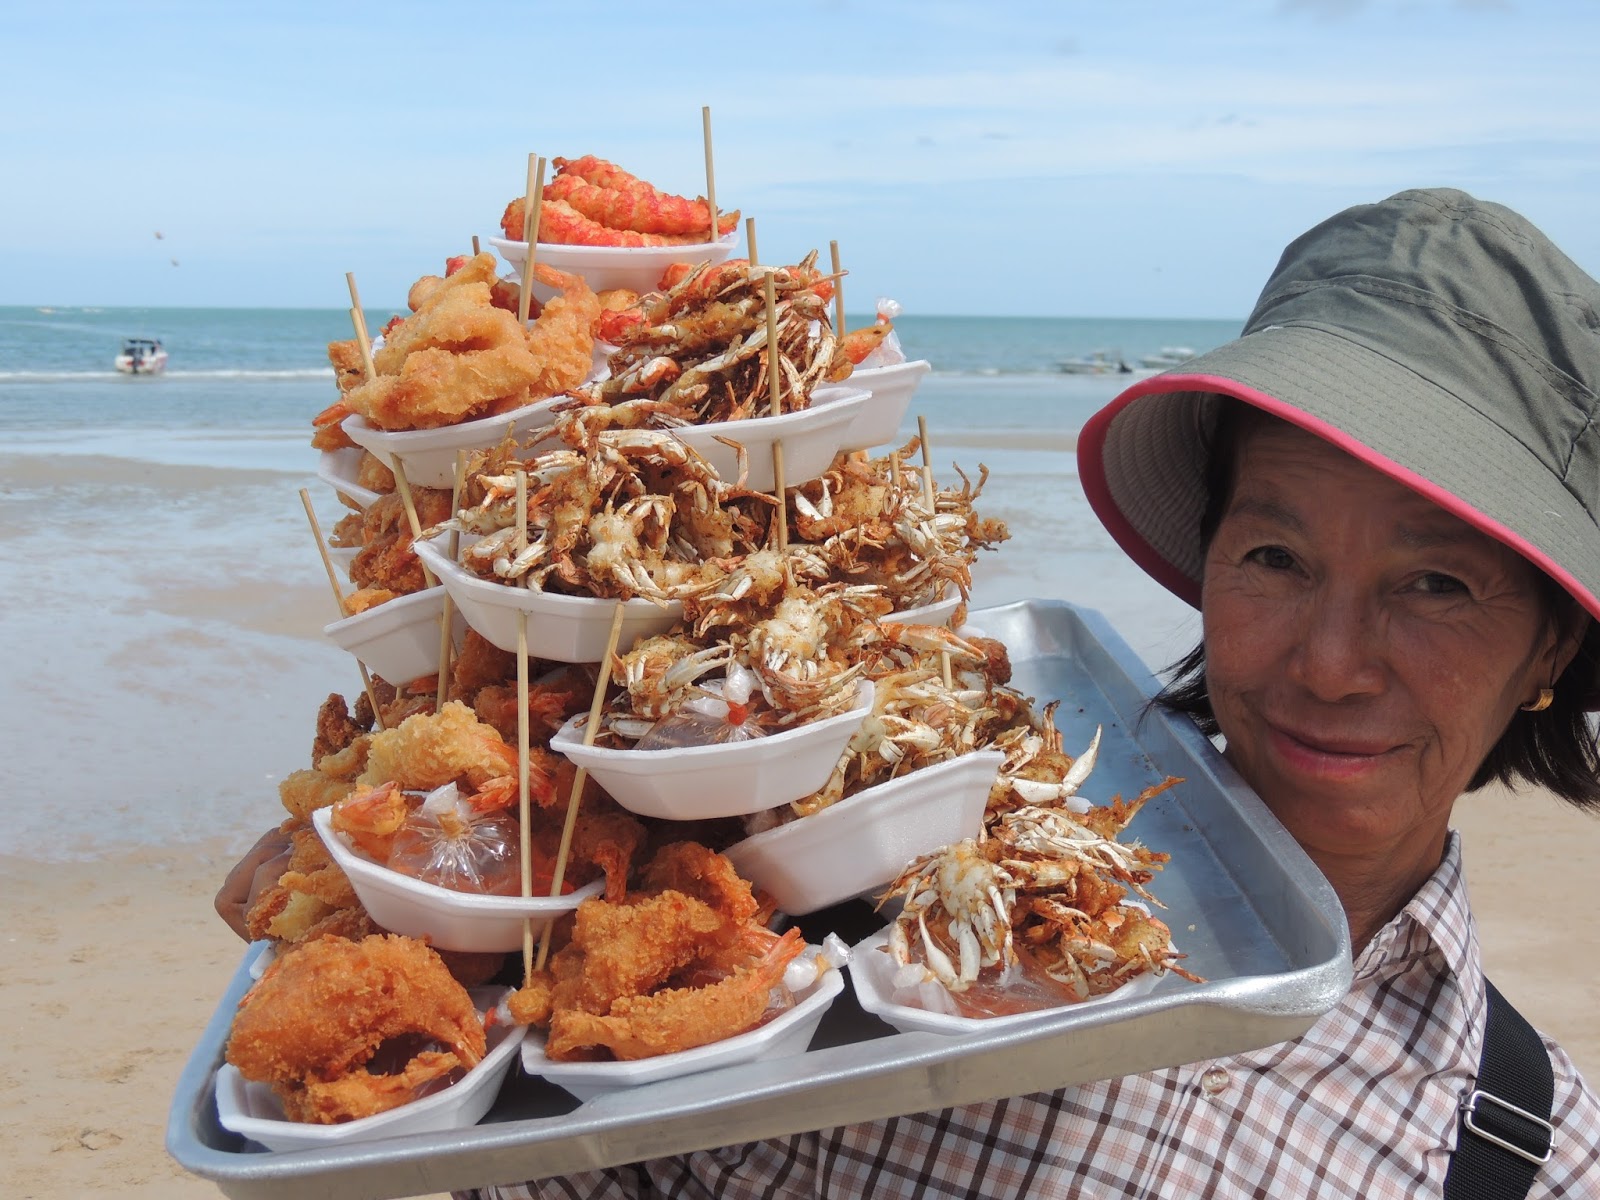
(1556, 749)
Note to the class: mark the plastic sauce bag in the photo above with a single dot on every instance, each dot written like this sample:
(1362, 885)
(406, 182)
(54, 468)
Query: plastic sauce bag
(446, 842)
(718, 716)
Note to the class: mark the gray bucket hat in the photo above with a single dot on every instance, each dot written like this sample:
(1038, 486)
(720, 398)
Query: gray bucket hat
(1441, 340)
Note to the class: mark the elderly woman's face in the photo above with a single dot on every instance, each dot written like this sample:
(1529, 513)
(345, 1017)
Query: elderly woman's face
(1364, 648)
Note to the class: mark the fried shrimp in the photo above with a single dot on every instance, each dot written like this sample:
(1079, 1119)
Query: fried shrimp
(321, 1013)
(429, 750)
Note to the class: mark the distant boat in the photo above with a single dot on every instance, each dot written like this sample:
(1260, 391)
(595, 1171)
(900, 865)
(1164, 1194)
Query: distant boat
(141, 356)
(1167, 357)
(1096, 362)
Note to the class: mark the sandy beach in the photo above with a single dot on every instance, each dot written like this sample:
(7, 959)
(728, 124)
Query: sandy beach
(160, 706)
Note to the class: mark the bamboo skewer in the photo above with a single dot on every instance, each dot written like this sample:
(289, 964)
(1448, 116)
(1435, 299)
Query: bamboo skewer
(531, 206)
(711, 175)
(774, 389)
(447, 619)
(838, 291)
(928, 496)
(524, 791)
(359, 320)
(476, 250)
(338, 598)
(403, 486)
(590, 729)
(750, 241)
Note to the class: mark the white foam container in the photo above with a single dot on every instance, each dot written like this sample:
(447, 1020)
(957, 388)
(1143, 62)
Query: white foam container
(811, 438)
(692, 783)
(872, 970)
(571, 629)
(252, 1111)
(786, 1034)
(637, 268)
(864, 841)
(398, 639)
(429, 455)
(338, 469)
(891, 388)
(937, 613)
(449, 919)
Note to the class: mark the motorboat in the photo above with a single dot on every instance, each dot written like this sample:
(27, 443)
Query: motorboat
(1167, 357)
(1096, 362)
(141, 356)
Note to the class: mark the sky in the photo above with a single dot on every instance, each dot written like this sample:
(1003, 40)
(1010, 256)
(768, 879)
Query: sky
(1104, 158)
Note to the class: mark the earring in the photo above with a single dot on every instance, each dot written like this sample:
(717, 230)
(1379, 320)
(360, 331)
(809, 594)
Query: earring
(1546, 696)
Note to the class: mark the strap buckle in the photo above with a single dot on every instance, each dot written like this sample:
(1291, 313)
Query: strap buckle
(1538, 1139)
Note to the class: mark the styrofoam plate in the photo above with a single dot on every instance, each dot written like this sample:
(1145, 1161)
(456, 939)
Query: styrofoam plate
(338, 469)
(811, 438)
(692, 783)
(252, 1111)
(637, 268)
(865, 840)
(571, 629)
(891, 388)
(398, 639)
(788, 1033)
(429, 455)
(449, 920)
(872, 972)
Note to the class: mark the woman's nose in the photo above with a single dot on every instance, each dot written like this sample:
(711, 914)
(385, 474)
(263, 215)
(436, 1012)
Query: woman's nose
(1337, 653)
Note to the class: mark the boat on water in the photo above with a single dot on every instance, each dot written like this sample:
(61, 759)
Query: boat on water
(1096, 362)
(141, 356)
(1167, 357)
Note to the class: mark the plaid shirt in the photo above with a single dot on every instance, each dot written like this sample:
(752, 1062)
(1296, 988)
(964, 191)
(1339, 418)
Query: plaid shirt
(1363, 1105)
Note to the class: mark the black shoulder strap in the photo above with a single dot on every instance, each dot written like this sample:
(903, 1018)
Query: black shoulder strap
(1505, 1134)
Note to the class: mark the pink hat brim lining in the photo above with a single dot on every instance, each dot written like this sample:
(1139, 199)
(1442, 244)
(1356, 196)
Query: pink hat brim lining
(1091, 471)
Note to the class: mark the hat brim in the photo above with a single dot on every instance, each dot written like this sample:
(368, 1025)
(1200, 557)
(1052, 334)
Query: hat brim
(1141, 459)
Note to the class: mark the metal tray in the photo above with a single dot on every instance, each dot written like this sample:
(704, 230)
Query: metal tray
(1253, 914)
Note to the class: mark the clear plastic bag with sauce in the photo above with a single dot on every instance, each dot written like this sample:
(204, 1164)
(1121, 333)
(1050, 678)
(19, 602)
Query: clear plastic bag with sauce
(446, 842)
(719, 715)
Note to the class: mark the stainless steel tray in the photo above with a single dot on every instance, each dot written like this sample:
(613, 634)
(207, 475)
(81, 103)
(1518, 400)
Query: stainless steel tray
(1253, 914)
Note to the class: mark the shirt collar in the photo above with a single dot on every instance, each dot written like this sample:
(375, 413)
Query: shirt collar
(1435, 920)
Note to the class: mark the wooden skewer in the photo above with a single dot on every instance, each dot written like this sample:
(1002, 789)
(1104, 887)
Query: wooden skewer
(359, 320)
(711, 174)
(838, 291)
(338, 598)
(476, 249)
(928, 496)
(404, 488)
(590, 729)
(447, 619)
(750, 240)
(524, 789)
(531, 205)
(775, 392)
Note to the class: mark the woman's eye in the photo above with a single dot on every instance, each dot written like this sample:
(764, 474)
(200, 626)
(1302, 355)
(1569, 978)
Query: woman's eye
(1436, 583)
(1274, 558)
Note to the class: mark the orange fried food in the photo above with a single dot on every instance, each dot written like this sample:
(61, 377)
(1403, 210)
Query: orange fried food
(319, 1015)
(697, 871)
(637, 206)
(562, 339)
(437, 387)
(311, 896)
(386, 558)
(428, 750)
(665, 1022)
(622, 950)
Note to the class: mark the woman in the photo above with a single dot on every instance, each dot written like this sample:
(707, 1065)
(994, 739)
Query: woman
(1382, 498)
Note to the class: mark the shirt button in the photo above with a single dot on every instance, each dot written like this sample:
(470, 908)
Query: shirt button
(1214, 1082)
